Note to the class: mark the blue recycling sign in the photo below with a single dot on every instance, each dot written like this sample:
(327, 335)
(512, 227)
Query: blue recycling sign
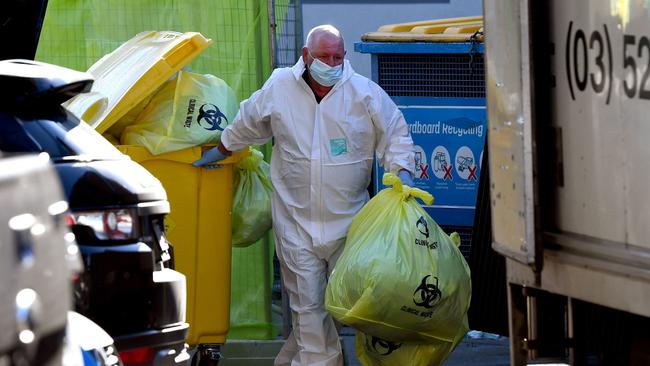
(449, 142)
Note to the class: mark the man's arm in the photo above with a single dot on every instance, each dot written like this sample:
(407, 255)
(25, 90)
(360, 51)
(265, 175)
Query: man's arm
(394, 149)
(251, 125)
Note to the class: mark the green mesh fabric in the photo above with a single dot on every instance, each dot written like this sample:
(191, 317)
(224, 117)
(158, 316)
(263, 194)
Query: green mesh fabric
(76, 33)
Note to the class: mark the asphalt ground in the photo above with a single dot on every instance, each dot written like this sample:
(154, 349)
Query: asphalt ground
(476, 349)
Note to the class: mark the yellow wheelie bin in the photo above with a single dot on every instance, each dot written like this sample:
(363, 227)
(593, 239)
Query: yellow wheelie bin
(199, 229)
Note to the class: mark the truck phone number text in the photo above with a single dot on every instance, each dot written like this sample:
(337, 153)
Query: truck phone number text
(590, 63)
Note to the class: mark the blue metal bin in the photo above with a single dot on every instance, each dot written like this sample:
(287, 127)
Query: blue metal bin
(440, 89)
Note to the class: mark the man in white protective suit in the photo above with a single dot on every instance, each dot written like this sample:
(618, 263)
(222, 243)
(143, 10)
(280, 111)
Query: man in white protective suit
(327, 123)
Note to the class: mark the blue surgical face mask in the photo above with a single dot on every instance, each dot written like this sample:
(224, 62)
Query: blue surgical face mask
(325, 74)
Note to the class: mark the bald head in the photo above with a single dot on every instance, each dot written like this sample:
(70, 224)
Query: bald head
(325, 31)
(324, 42)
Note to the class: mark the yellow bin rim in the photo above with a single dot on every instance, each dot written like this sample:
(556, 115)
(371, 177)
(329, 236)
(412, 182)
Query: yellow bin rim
(462, 29)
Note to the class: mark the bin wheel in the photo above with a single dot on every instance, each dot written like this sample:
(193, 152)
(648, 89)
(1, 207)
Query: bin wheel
(207, 355)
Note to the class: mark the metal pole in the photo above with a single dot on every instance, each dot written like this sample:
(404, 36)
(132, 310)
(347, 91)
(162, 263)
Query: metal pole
(533, 336)
(517, 325)
(286, 313)
(272, 29)
(571, 332)
(298, 27)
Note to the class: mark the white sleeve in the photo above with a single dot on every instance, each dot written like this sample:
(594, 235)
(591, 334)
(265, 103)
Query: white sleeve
(252, 124)
(394, 145)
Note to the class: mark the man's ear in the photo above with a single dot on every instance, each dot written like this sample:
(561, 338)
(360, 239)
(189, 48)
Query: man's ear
(305, 54)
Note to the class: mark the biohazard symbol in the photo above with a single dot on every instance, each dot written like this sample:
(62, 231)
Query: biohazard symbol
(421, 224)
(472, 172)
(381, 346)
(424, 174)
(427, 294)
(447, 173)
(212, 116)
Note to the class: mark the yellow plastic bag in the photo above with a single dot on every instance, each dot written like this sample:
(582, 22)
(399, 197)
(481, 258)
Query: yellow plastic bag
(400, 277)
(373, 351)
(251, 202)
(187, 111)
(129, 74)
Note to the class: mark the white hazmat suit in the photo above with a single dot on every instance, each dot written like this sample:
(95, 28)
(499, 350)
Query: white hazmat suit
(320, 168)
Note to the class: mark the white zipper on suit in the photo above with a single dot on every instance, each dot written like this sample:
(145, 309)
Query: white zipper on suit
(316, 164)
(316, 174)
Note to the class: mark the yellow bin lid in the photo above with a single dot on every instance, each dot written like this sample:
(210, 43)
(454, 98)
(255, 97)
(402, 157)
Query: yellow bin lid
(126, 76)
(438, 30)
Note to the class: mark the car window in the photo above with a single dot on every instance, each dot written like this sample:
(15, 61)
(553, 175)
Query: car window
(14, 138)
(62, 136)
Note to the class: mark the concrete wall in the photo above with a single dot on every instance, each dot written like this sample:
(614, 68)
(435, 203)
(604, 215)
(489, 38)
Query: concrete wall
(355, 17)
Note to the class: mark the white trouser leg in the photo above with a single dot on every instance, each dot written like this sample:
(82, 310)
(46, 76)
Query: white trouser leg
(288, 352)
(314, 339)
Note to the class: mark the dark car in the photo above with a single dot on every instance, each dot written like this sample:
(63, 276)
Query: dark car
(117, 210)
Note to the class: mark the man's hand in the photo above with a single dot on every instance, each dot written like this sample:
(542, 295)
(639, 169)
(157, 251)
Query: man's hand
(210, 158)
(405, 176)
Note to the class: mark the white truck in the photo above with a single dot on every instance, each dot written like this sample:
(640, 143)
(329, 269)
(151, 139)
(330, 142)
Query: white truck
(568, 99)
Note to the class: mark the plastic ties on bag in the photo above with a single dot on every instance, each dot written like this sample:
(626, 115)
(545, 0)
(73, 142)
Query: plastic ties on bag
(390, 179)
(252, 161)
(455, 237)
